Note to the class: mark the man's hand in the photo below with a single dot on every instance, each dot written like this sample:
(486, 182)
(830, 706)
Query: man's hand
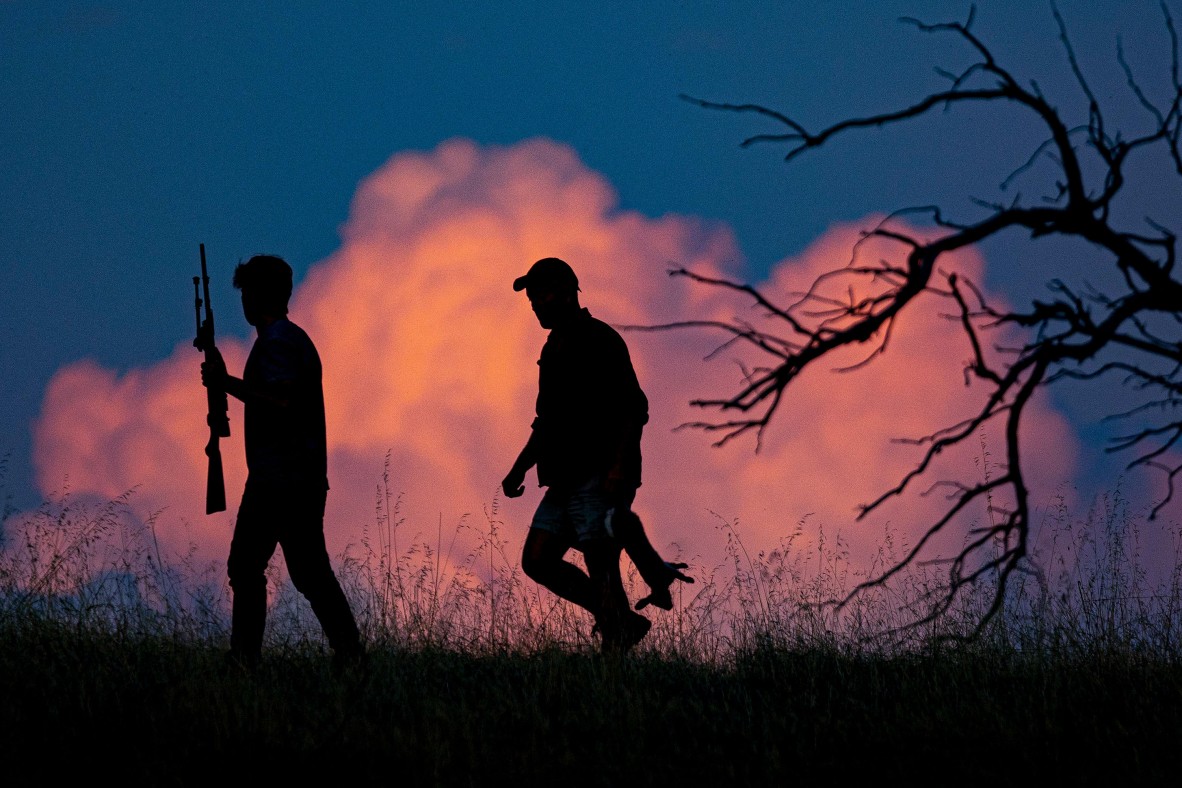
(514, 484)
(213, 370)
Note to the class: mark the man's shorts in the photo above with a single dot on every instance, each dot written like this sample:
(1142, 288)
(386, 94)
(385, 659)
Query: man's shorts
(582, 514)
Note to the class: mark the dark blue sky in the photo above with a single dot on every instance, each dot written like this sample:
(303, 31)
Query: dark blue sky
(132, 132)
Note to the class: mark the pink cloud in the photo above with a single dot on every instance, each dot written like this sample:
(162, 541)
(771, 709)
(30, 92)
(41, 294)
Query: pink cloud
(430, 355)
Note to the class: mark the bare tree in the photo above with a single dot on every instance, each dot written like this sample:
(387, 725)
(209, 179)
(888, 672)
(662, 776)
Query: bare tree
(1130, 334)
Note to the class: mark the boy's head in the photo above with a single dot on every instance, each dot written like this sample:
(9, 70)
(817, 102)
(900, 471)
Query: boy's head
(265, 282)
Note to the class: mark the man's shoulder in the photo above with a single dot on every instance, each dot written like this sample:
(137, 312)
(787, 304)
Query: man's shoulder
(287, 328)
(283, 348)
(598, 329)
(286, 332)
(586, 334)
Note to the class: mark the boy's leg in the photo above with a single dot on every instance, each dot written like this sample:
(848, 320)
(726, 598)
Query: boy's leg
(253, 544)
(657, 573)
(311, 573)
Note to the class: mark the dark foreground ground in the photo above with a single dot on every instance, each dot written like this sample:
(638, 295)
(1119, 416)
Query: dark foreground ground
(84, 708)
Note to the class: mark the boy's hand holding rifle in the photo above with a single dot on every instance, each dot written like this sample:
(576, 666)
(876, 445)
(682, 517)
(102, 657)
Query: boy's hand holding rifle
(213, 377)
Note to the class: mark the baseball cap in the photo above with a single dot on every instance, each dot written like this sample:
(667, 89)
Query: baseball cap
(547, 272)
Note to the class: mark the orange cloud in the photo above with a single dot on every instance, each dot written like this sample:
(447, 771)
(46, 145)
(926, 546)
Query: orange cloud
(429, 355)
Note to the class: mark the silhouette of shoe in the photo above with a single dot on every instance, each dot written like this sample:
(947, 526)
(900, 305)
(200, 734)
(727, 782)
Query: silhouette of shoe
(660, 596)
(625, 633)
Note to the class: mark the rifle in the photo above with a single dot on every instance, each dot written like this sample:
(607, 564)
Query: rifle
(217, 416)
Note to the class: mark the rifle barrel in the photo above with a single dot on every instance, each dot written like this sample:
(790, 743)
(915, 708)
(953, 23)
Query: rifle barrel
(197, 304)
(205, 281)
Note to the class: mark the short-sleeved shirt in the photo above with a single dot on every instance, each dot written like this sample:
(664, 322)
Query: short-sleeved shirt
(589, 404)
(285, 445)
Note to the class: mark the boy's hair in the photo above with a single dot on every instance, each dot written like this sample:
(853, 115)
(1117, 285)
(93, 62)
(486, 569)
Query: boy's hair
(268, 278)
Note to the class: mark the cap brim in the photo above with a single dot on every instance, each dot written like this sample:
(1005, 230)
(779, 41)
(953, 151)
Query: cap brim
(520, 283)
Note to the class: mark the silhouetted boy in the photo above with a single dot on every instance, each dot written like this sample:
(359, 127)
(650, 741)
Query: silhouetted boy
(286, 460)
(585, 442)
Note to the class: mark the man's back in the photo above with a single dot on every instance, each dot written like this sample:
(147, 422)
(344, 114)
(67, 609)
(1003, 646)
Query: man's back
(589, 402)
(285, 438)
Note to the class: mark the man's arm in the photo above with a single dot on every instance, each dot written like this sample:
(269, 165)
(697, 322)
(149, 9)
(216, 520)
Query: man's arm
(214, 374)
(514, 482)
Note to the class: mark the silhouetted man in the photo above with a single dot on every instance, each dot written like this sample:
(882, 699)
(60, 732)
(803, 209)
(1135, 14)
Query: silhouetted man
(585, 443)
(286, 460)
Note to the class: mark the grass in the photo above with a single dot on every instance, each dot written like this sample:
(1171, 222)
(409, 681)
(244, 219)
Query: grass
(111, 661)
(156, 712)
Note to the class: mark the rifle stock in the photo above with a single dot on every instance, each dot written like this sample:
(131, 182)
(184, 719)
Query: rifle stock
(215, 484)
(217, 416)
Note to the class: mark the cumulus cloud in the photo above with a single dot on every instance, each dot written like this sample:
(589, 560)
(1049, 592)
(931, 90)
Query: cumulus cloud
(429, 355)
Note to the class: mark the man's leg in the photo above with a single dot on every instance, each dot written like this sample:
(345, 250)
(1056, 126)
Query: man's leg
(588, 509)
(619, 626)
(580, 514)
(302, 538)
(251, 548)
(542, 560)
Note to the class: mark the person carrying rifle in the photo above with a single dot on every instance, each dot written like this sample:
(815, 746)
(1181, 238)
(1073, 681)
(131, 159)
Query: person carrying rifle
(286, 459)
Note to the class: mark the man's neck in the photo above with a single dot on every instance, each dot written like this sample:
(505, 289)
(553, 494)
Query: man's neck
(266, 321)
(567, 316)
